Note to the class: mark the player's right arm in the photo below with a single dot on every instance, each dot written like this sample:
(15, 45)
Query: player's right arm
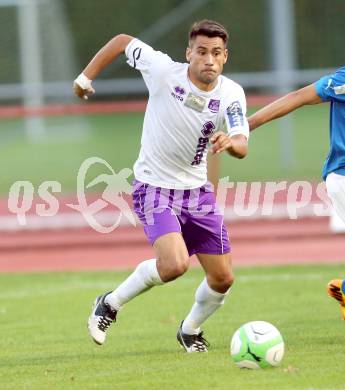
(83, 84)
(284, 105)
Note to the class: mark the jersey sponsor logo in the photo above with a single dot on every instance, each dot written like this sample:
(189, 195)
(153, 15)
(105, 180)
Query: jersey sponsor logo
(195, 102)
(329, 84)
(235, 114)
(340, 90)
(178, 93)
(136, 55)
(208, 129)
(200, 149)
(213, 105)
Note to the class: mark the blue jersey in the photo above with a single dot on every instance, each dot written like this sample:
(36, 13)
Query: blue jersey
(331, 88)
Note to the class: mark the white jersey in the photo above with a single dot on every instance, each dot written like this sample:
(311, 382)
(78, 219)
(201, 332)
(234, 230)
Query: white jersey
(180, 119)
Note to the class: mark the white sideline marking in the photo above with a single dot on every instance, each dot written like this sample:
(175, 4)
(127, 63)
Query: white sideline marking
(285, 277)
(53, 289)
(43, 290)
(280, 277)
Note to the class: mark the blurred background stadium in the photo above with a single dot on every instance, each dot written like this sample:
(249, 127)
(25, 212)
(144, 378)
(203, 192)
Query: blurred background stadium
(276, 45)
(46, 134)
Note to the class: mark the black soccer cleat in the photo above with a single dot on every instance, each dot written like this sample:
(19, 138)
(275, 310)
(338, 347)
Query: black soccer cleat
(100, 319)
(192, 342)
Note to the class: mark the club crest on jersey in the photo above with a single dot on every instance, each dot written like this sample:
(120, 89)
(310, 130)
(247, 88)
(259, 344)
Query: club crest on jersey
(213, 105)
(178, 93)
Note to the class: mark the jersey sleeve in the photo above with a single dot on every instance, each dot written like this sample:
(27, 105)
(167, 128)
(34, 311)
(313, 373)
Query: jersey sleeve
(152, 64)
(332, 87)
(235, 116)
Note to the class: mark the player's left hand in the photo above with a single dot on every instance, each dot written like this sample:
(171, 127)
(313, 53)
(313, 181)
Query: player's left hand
(220, 142)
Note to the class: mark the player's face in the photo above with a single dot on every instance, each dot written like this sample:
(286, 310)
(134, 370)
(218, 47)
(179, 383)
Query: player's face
(206, 57)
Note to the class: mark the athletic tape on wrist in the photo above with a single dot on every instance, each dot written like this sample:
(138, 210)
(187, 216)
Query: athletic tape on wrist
(83, 81)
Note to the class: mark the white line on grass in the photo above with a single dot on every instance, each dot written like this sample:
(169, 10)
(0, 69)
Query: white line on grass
(56, 288)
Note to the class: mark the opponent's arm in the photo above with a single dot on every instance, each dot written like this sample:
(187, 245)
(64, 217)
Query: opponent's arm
(116, 46)
(284, 105)
(237, 145)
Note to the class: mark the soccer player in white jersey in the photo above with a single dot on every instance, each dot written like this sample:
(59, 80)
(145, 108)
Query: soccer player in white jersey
(330, 88)
(191, 105)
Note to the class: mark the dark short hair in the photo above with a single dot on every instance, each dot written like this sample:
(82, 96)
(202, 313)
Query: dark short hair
(208, 28)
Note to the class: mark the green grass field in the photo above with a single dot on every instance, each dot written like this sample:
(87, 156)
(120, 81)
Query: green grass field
(116, 138)
(44, 342)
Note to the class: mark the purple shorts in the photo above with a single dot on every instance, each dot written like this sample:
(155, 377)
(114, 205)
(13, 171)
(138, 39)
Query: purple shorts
(193, 213)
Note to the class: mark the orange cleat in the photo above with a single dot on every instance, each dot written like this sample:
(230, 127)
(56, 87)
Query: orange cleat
(336, 290)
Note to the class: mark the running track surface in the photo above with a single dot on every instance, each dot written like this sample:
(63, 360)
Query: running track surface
(265, 242)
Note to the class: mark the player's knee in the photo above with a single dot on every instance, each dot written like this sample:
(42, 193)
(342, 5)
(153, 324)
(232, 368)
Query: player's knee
(173, 268)
(226, 282)
(221, 282)
(179, 268)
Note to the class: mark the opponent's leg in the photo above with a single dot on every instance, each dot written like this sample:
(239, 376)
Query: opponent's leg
(209, 296)
(336, 191)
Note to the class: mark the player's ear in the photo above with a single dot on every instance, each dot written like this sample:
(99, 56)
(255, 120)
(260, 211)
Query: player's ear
(226, 55)
(188, 52)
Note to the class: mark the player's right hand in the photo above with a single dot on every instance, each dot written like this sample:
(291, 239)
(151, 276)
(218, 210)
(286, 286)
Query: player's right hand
(82, 87)
(82, 93)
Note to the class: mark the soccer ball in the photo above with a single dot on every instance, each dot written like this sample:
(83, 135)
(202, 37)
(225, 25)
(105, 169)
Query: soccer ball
(257, 344)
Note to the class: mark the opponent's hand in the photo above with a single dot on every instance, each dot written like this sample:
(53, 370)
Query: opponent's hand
(220, 142)
(82, 87)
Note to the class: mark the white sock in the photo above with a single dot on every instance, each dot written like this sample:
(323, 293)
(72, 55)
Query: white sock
(142, 279)
(207, 301)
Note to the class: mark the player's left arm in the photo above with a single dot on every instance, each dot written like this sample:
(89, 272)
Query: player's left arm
(235, 139)
(284, 105)
(236, 145)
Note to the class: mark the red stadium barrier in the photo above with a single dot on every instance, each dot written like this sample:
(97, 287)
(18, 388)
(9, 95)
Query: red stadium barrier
(20, 111)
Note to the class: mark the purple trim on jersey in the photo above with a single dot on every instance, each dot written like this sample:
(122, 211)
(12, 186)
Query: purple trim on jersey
(193, 213)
